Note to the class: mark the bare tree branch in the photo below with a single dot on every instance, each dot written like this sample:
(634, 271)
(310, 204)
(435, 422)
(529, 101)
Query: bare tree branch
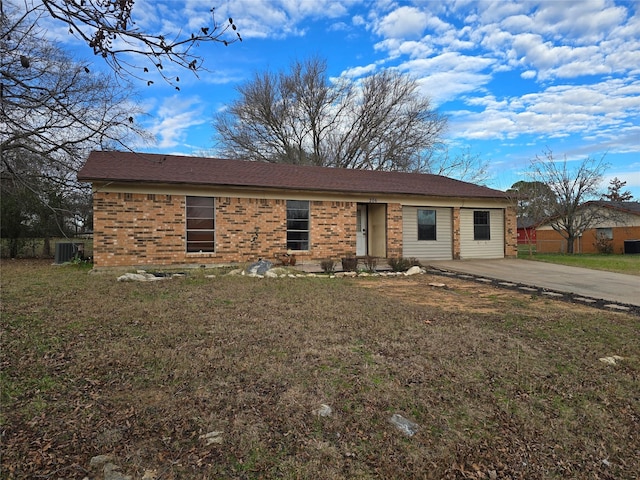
(109, 28)
(301, 117)
(53, 111)
(572, 214)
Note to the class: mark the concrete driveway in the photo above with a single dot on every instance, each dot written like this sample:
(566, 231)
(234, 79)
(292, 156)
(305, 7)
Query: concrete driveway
(614, 287)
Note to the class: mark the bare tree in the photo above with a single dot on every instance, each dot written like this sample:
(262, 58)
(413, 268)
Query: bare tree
(301, 117)
(572, 213)
(53, 110)
(464, 165)
(109, 28)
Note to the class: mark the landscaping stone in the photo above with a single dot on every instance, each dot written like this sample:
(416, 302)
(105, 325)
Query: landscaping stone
(406, 426)
(259, 268)
(139, 277)
(528, 289)
(212, 438)
(584, 300)
(614, 306)
(415, 270)
(552, 294)
(613, 360)
(323, 411)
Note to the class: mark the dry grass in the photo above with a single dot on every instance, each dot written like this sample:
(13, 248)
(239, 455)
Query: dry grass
(503, 385)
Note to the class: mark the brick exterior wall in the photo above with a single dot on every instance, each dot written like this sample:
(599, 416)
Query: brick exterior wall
(133, 229)
(456, 233)
(510, 232)
(137, 229)
(394, 230)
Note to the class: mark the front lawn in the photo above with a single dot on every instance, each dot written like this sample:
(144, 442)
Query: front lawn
(501, 384)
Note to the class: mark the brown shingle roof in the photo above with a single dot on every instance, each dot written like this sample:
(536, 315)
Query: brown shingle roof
(157, 168)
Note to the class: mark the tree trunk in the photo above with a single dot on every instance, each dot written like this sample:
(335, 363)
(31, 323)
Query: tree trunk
(46, 247)
(13, 247)
(570, 243)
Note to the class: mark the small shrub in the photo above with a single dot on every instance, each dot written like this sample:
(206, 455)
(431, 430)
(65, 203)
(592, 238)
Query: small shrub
(399, 264)
(603, 244)
(349, 263)
(415, 262)
(370, 263)
(328, 265)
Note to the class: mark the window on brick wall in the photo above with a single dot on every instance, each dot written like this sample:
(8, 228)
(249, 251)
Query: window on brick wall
(481, 227)
(426, 224)
(297, 225)
(200, 224)
(604, 233)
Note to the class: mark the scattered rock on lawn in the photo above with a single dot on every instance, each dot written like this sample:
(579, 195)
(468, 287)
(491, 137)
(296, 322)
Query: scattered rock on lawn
(323, 411)
(406, 426)
(212, 437)
(99, 460)
(613, 360)
(112, 472)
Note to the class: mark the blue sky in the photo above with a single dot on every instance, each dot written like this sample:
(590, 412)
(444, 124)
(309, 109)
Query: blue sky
(514, 78)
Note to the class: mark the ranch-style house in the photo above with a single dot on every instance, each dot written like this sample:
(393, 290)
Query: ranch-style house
(161, 210)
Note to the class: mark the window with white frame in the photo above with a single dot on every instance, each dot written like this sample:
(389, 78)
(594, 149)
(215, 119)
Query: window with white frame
(200, 224)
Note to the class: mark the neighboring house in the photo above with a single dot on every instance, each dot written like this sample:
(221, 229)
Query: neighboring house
(526, 231)
(154, 209)
(618, 222)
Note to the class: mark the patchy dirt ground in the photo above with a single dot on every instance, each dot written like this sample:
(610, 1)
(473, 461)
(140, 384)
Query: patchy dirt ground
(460, 296)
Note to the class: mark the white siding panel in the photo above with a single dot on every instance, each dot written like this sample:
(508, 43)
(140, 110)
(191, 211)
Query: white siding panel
(493, 248)
(440, 249)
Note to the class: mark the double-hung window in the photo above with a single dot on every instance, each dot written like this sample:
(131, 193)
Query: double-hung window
(200, 224)
(297, 225)
(481, 226)
(426, 224)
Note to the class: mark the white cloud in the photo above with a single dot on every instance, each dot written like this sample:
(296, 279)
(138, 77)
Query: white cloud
(598, 112)
(356, 72)
(445, 77)
(404, 22)
(174, 117)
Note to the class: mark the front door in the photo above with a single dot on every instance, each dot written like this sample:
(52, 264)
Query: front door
(361, 231)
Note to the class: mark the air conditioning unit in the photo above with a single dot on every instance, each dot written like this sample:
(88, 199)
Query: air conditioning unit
(64, 252)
